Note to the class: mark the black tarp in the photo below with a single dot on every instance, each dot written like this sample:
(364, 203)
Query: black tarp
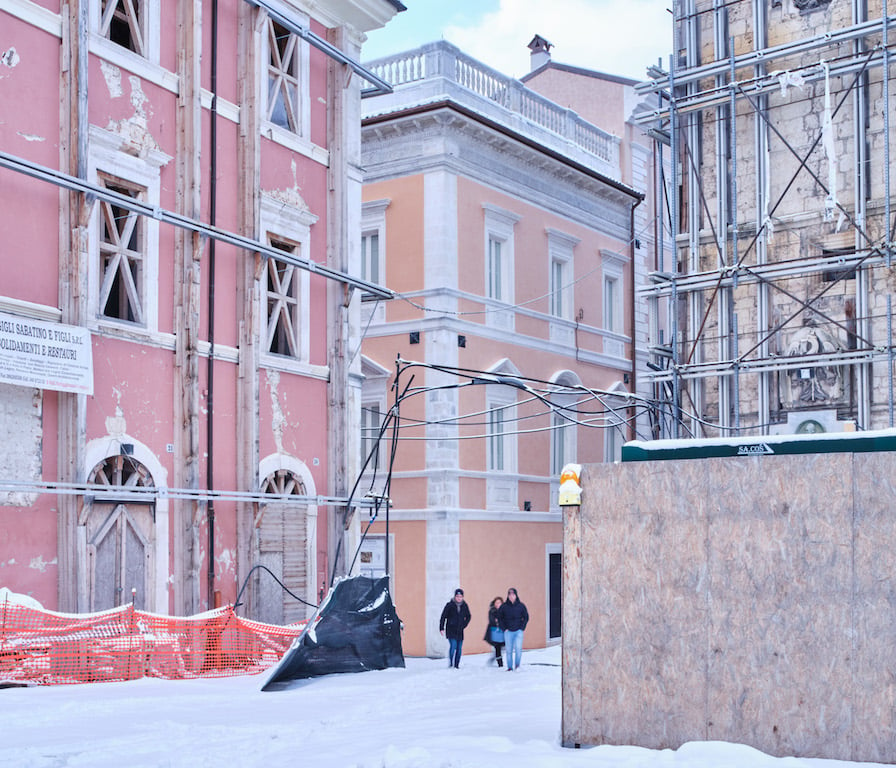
(355, 629)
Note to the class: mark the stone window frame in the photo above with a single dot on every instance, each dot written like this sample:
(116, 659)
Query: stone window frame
(149, 25)
(373, 222)
(374, 392)
(283, 291)
(613, 291)
(499, 228)
(299, 77)
(563, 428)
(286, 223)
(613, 437)
(561, 249)
(109, 160)
(501, 408)
(502, 485)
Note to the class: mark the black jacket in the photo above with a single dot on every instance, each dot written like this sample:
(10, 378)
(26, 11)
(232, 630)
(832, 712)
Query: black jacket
(513, 616)
(492, 622)
(454, 618)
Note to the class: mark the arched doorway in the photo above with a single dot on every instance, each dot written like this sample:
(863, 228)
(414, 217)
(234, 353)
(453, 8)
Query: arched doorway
(281, 545)
(118, 539)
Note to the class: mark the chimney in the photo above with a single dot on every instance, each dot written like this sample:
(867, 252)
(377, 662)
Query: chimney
(541, 53)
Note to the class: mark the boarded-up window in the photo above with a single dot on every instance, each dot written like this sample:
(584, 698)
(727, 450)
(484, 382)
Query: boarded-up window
(21, 411)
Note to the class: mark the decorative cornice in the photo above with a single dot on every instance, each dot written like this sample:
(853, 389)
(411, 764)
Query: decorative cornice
(446, 140)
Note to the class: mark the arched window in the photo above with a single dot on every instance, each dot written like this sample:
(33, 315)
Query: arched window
(564, 414)
(616, 431)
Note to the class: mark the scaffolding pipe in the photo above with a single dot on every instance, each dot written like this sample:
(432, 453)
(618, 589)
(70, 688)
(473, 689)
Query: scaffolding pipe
(184, 222)
(772, 364)
(886, 89)
(890, 355)
(732, 137)
(735, 356)
(761, 197)
(832, 39)
(380, 86)
(673, 217)
(712, 97)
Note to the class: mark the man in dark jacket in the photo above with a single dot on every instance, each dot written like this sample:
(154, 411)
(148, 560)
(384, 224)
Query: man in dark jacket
(513, 618)
(455, 616)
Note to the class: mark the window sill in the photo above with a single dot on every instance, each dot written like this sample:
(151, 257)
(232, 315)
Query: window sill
(134, 63)
(297, 367)
(294, 142)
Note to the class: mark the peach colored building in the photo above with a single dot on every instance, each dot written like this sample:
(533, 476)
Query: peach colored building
(180, 203)
(500, 218)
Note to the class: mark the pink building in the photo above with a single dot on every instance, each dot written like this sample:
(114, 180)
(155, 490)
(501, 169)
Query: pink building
(179, 263)
(502, 219)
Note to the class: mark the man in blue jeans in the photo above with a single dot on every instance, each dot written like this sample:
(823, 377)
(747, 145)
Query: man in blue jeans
(455, 616)
(513, 618)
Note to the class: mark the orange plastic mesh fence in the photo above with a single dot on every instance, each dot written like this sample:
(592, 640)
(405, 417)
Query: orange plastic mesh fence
(47, 648)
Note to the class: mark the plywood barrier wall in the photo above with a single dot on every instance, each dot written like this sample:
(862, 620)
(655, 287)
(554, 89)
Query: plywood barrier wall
(748, 599)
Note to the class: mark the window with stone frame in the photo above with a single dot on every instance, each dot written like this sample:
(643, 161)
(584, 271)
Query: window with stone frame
(373, 255)
(374, 443)
(122, 250)
(497, 450)
(502, 481)
(611, 303)
(371, 443)
(558, 280)
(370, 256)
(283, 326)
(123, 22)
(613, 266)
(499, 259)
(496, 268)
(560, 277)
(563, 435)
(284, 94)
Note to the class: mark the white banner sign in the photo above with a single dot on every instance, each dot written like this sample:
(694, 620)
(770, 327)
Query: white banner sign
(44, 355)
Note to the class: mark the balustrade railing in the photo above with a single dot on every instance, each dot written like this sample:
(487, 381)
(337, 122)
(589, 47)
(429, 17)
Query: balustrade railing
(442, 59)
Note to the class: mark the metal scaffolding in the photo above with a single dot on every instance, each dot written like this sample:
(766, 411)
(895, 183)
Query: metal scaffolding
(777, 302)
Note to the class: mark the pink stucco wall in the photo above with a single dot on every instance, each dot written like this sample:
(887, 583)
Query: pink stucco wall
(137, 381)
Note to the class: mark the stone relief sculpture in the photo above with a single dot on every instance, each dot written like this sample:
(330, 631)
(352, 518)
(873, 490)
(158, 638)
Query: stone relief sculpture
(810, 5)
(808, 386)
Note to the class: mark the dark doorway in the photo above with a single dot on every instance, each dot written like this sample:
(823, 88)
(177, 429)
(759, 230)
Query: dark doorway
(555, 593)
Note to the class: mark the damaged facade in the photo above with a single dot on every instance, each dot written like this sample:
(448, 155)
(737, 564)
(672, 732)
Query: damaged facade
(184, 196)
(774, 313)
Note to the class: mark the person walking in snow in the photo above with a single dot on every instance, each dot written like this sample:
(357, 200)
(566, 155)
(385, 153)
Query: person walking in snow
(455, 617)
(513, 618)
(494, 635)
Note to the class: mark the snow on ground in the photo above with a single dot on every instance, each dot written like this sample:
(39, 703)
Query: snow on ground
(423, 716)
